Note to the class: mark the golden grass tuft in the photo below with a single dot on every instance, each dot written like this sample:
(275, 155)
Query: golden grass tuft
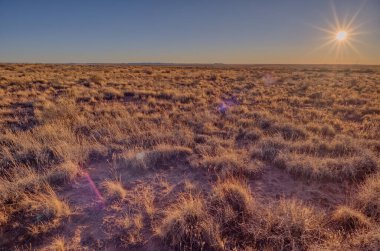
(368, 197)
(365, 239)
(132, 226)
(233, 194)
(46, 205)
(348, 219)
(114, 189)
(58, 244)
(63, 173)
(290, 225)
(3, 217)
(162, 157)
(228, 164)
(187, 226)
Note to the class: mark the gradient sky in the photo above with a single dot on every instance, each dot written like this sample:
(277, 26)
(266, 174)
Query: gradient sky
(208, 31)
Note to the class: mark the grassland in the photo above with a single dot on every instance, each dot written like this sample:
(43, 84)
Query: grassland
(120, 157)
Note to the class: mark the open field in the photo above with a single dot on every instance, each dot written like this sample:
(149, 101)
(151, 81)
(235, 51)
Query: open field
(121, 157)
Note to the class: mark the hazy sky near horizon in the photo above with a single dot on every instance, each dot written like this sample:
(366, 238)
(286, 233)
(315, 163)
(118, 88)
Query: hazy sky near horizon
(198, 31)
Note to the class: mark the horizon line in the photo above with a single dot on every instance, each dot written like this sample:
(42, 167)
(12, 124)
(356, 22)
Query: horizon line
(188, 64)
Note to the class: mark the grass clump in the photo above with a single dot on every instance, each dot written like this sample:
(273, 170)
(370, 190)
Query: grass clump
(45, 205)
(232, 206)
(163, 156)
(290, 225)
(268, 149)
(58, 244)
(292, 132)
(353, 169)
(368, 197)
(229, 164)
(235, 195)
(348, 219)
(114, 189)
(63, 173)
(187, 226)
(132, 226)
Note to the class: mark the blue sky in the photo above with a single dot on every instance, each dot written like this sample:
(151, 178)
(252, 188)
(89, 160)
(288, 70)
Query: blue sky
(239, 31)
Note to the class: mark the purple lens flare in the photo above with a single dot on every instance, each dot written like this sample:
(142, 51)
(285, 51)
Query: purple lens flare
(226, 103)
(98, 195)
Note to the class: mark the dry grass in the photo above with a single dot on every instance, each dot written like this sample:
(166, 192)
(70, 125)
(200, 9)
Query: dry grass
(234, 196)
(349, 219)
(46, 204)
(187, 226)
(228, 164)
(290, 225)
(132, 226)
(58, 244)
(161, 157)
(208, 157)
(337, 160)
(114, 189)
(368, 197)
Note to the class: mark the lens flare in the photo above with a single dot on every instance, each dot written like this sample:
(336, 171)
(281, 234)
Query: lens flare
(341, 35)
(98, 195)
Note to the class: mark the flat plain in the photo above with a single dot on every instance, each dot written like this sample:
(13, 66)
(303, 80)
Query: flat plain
(196, 157)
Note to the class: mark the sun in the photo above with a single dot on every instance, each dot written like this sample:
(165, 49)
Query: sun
(341, 36)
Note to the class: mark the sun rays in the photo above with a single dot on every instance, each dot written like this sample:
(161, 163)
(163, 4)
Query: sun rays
(341, 34)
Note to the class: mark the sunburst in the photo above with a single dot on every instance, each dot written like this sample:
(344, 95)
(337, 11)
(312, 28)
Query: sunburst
(342, 34)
